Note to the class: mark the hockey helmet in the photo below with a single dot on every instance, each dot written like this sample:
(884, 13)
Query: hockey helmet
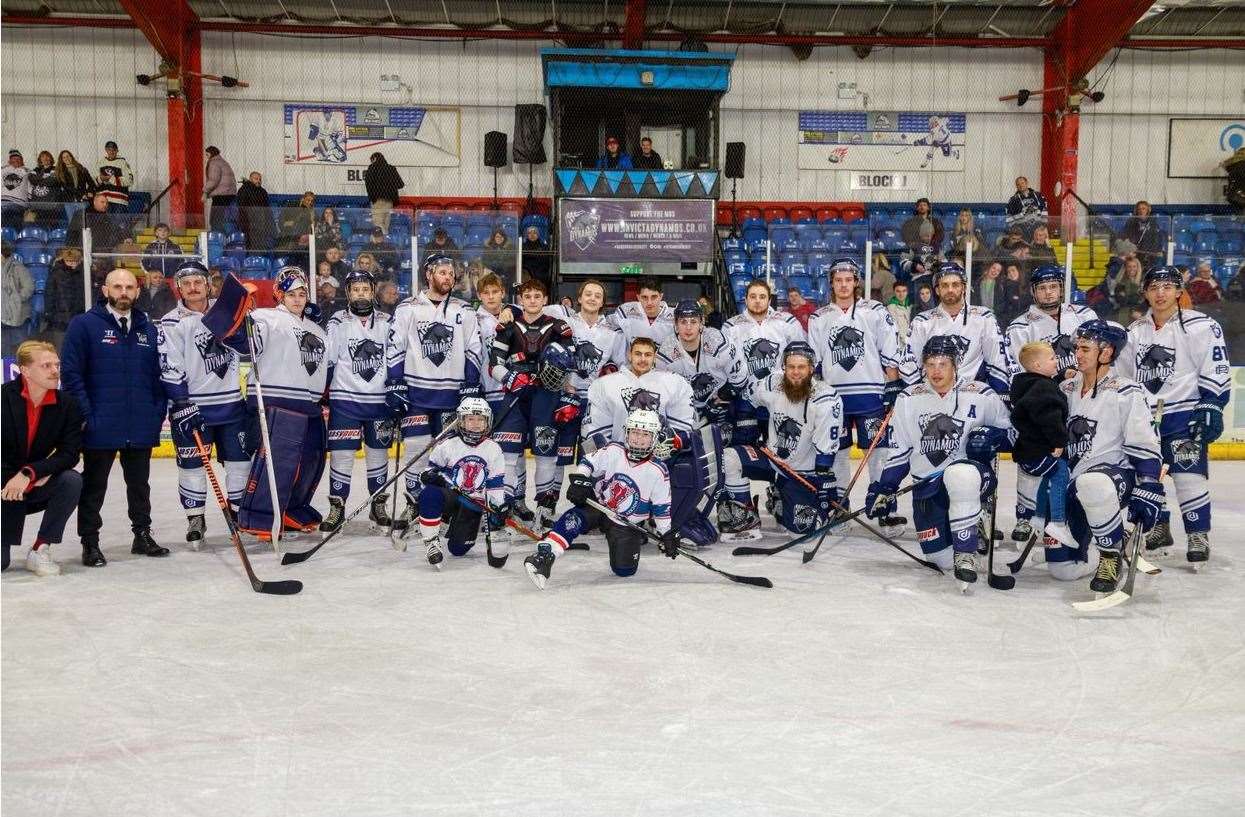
(189, 269)
(1044, 274)
(844, 265)
(798, 348)
(687, 308)
(290, 278)
(356, 276)
(1163, 275)
(942, 346)
(436, 260)
(469, 408)
(1104, 333)
(947, 269)
(556, 364)
(640, 434)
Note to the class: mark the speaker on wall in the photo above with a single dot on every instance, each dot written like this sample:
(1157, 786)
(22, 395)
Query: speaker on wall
(529, 135)
(734, 160)
(494, 149)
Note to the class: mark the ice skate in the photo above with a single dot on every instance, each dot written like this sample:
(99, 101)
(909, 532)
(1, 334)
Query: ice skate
(738, 522)
(893, 524)
(378, 514)
(432, 549)
(1022, 531)
(1159, 540)
(540, 564)
(522, 512)
(1108, 576)
(337, 515)
(195, 529)
(965, 570)
(403, 524)
(546, 511)
(1198, 552)
(39, 562)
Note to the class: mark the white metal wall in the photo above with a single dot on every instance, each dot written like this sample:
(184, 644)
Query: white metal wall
(75, 88)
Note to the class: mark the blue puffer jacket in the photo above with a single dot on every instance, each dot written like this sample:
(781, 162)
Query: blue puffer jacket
(116, 381)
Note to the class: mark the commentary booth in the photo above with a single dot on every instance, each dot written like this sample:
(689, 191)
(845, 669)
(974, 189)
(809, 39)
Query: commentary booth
(657, 221)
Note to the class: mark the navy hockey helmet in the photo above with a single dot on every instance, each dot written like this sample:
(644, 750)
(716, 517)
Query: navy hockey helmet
(436, 260)
(798, 348)
(356, 276)
(1104, 333)
(687, 308)
(556, 364)
(946, 269)
(189, 269)
(844, 265)
(1163, 275)
(942, 346)
(1045, 273)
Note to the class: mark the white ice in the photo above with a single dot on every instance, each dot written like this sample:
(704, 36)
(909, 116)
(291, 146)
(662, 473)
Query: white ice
(861, 684)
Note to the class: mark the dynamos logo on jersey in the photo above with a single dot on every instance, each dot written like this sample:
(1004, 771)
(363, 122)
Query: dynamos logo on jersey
(787, 432)
(703, 386)
(587, 358)
(311, 348)
(1081, 432)
(619, 494)
(940, 436)
(366, 356)
(435, 340)
(847, 346)
(761, 355)
(216, 357)
(1065, 351)
(636, 399)
(1155, 364)
(805, 518)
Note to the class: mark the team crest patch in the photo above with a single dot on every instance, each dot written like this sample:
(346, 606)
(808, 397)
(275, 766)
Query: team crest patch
(435, 340)
(470, 474)
(804, 518)
(760, 354)
(620, 494)
(366, 357)
(940, 436)
(637, 399)
(847, 347)
(787, 433)
(216, 356)
(311, 349)
(1155, 365)
(1081, 432)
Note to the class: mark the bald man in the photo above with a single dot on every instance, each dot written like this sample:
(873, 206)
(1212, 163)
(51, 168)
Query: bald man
(111, 364)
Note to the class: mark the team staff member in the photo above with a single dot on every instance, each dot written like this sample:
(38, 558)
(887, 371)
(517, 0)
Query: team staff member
(42, 439)
(111, 366)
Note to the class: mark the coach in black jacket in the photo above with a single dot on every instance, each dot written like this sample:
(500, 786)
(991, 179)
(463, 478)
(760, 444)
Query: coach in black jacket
(42, 440)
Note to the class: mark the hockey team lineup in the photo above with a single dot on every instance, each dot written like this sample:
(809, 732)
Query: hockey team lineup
(660, 426)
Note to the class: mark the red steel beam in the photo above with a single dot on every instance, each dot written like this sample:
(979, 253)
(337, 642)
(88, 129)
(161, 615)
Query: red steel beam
(633, 28)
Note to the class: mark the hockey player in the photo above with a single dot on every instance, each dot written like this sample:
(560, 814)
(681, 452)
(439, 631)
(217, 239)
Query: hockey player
(984, 353)
(758, 334)
(1051, 320)
(938, 140)
(434, 360)
(358, 414)
(200, 375)
(1179, 356)
(531, 358)
(702, 356)
(805, 417)
(945, 431)
(612, 398)
(473, 464)
(647, 316)
(624, 477)
(857, 350)
(1114, 455)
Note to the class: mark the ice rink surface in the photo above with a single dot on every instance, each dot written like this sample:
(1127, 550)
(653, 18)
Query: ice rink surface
(861, 684)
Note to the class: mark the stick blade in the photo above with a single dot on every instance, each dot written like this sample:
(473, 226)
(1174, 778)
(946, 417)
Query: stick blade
(287, 587)
(748, 550)
(292, 558)
(1105, 603)
(999, 582)
(755, 581)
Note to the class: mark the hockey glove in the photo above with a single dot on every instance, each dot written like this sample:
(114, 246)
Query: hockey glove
(312, 312)
(827, 496)
(468, 390)
(715, 413)
(1206, 422)
(396, 397)
(665, 446)
(498, 515)
(669, 544)
(517, 381)
(891, 392)
(983, 444)
(434, 477)
(579, 490)
(567, 411)
(1146, 504)
(878, 499)
(186, 419)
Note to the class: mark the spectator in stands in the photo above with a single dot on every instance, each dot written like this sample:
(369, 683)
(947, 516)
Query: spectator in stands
(297, 222)
(106, 233)
(16, 194)
(881, 280)
(917, 266)
(1026, 208)
(988, 288)
(1235, 290)
(366, 262)
(1127, 290)
(1040, 249)
(713, 316)
(45, 190)
(118, 199)
(383, 251)
(63, 295)
(1146, 234)
(925, 299)
(966, 234)
(441, 244)
(215, 282)
(42, 443)
(499, 255)
(255, 213)
(338, 267)
(75, 180)
(923, 228)
(116, 175)
(326, 294)
(387, 296)
(18, 289)
(1009, 241)
(799, 307)
(328, 230)
(536, 260)
(382, 182)
(1013, 296)
(1204, 288)
(647, 158)
(155, 298)
(899, 305)
(155, 253)
(220, 188)
(613, 158)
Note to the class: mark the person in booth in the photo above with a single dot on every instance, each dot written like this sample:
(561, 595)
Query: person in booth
(614, 158)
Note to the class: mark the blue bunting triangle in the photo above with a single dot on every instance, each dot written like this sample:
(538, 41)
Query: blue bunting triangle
(684, 181)
(566, 178)
(614, 178)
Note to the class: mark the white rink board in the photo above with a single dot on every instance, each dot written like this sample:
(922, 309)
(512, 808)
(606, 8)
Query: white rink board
(861, 684)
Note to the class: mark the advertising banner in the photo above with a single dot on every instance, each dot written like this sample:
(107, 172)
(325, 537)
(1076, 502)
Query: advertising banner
(622, 230)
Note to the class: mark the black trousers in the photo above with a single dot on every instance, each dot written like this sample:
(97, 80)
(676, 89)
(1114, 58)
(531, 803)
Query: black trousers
(57, 498)
(96, 463)
(220, 211)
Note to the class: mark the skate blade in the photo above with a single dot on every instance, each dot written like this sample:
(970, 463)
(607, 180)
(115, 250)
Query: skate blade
(1195, 566)
(742, 536)
(966, 588)
(537, 578)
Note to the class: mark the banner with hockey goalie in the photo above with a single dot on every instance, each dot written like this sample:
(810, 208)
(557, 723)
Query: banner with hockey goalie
(882, 140)
(347, 134)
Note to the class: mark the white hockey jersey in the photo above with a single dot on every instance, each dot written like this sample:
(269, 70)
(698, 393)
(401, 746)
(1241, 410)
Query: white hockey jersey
(1179, 365)
(633, 490)
(487, 324)
(613, 397)
(356, 358)
(476, 470)
(290, 359)
(984, 352)
(1110, 426)
(854, 348)
(759, 344)
(930, 431)
(629, 318)
(801, 433)
(596, 345)
(195, 366)
(435, 348)
(1061, 333)
(714, 365)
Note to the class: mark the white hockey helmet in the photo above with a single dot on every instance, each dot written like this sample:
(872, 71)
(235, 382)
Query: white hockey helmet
(646, 425)
(472, 407)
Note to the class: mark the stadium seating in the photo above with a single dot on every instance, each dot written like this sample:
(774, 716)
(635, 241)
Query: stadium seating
(255, 266)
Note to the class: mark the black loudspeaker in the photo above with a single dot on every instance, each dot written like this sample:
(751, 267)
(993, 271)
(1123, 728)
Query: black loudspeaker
(734, 160)
(494, 149)
(529, 135)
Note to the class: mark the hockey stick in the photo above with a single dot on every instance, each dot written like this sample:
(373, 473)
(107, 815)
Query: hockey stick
(397, 463)
(1126, 592)
(279, 588)
(786, 469)
(809, 555)
(755, 581)
(278, 516)
(1002, 582)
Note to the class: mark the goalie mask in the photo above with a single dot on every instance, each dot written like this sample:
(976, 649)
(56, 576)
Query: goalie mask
(640, 434)
(556, 364)
(475, 420)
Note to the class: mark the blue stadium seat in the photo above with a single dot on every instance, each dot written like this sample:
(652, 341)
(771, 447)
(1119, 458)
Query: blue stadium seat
(472, 252)
(57, 235)
(1228, 246)
(790, 244)
(39, 274)
(806, 285)
(357, 242)
(735, 256)
(739, 286)
(279, 262)
(236, 251)
(819, 262)
(479, 235)
(818, 244)
(237, 237)
(738, 267)
(1203, 225)
(9, 234)
(226, 264)
(1228, 268)
(836, 235)
(479, 218)
(1205, 243)
(780, 221)
(794, 265)
(32, 233)
(754, 237)
(348, 231)
(762, 270)
(848, 247)
(731, 243)
(255, 266)
(456, 232)
(1184, 244)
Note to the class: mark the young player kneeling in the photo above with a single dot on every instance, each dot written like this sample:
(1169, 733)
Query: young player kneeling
(625, 478)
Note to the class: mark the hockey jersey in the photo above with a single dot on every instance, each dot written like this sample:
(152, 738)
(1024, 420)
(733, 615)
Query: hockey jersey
(1059, 332)
(195, 366)
(1110, 425)
(984, 352)
(759, 344)
(714, 365)
(435, 348)
(289, 360)
(633, 490)
(518, 345)
(854, 348)
(613, 397)
(596, 345)
(930, 431)
(487, 323)
(1178, 364)
(476, 470)
(801, 433)
(630, 320)
(356, 355)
